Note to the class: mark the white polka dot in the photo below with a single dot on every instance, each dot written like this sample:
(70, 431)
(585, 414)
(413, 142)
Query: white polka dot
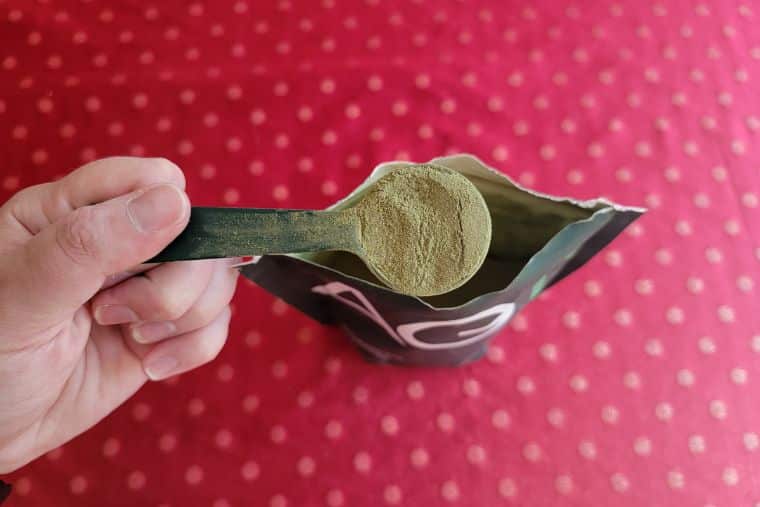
(280, 193)
(333, 429)
(548, 352)
(335, 498)
(278, 434)
(587, 449)
(507, 488)
(632, 380)
(225, 371)
(619, 482)
(167, 442)
(532, 452)
(556, 417)
(697, 444)
(415, 390)
(19, 132)
(718, 409)
(425, 131)
(654, 347)
(136, 480)
(78, 485)
(674, 315)
(664, 411)
(194, 475)
(250, 471)
(392, 495)
(471, 388)
(578, 383)
(642, 446)
(751, 441)
(476, 455)
(22, 486)
(375, 83)
(726, 314)
(279, 369)
(526, 385)
(730, 476)
(445, 422)
(644, 286)
(500, 419)
(738, 147)
(360, 395)
(713, 255)
(610, 414)
(419, 458)
(362, 462)
(575, 177)
(592, 288)
(675, 479)
(500, 153)
(223, 438)
(329, 137)
(548, 152)
(738, 376)
(278, 501)
(563, 484)
(495, 104)
(755, 343)
(377, 134)
(601, 350)
(701, 200)
(196, 407)
(111, 447)
(707, 345)
(306, 466)
(685, 377)
(695, 285)
(39, 157)
(520, 128)
(541, 102)
(450, 491)
(495, 354)
(45, 105)
(571, 320)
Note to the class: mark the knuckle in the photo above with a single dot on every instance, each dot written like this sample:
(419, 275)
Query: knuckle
(166, 169)
(210, 348)
(78, 235)
(212, 345)
(169, 307)
(23, 195)
(202, 315)
(22, 200)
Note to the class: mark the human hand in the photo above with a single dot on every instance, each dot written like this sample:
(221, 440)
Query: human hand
(82, 324)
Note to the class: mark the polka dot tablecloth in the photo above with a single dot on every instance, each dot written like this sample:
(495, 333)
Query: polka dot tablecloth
(634, 382)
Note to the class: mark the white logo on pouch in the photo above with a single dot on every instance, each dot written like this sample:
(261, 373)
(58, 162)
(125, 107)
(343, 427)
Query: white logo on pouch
(405, 334)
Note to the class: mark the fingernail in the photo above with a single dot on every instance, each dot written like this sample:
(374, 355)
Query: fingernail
(160, 367)
(157, 208)
(150, 332)
(107, 315)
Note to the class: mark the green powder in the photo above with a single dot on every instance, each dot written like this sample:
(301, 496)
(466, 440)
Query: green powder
(425, 229)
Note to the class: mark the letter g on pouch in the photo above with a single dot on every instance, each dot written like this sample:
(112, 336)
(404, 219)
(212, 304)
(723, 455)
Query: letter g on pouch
(537, 240)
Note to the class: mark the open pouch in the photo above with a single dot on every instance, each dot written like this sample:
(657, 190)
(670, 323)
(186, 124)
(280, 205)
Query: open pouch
(536, 241)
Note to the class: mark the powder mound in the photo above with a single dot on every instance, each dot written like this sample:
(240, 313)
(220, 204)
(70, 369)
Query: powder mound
(425, 229)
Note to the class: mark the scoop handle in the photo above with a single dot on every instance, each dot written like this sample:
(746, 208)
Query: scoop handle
(232, 232)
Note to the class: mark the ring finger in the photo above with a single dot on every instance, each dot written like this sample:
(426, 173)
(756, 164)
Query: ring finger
(206, 308)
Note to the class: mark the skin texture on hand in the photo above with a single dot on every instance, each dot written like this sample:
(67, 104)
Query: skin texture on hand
(82, 323)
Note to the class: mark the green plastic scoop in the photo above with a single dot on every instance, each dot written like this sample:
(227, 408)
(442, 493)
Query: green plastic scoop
(416, 229)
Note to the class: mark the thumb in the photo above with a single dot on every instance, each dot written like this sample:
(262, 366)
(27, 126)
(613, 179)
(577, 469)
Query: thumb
(64, 265)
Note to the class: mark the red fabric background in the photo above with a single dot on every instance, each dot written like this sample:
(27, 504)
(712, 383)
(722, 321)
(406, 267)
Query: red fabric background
(634, 382)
